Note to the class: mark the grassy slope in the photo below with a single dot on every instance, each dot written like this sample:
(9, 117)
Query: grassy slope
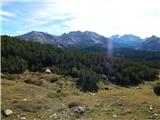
(43, 101)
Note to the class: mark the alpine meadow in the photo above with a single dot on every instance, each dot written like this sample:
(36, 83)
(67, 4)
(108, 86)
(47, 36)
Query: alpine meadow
(80, 60)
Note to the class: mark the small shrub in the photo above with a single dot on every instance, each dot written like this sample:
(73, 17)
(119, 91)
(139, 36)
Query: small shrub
(58, 90)
(73, 104)
(157, 89)
(34, 82)
(10, 77)
(104, 77)
(88, 81)
(54, 79)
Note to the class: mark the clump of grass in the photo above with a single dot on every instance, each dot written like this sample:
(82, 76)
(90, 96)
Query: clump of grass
(34, 82)
(73, 104)
(29, 107)
(10, 77)
(157, 89)
(60, 84)
(54, 79)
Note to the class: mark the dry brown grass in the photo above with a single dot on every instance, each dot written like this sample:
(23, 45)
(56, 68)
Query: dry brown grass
(41, 102)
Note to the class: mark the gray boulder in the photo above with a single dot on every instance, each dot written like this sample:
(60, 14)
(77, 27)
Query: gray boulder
(80, 109)
(8, 112)
(107, 87)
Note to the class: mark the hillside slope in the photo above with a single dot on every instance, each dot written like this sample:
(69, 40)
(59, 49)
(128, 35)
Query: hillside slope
(36, 36)
(50, 100)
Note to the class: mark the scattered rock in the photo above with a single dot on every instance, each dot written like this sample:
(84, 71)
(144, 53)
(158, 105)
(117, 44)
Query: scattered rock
(155, 114)
(8, 112)
(114, 116)
(151, 107)
(128, 111)
(93, 94)
(21, 77)
(54, 116)
(2, 75)
(24, 99)
(108, 109)
(49, 110)
(48, 71)
(79, 109)
(22, 118)
(138, 88)
(107, 87)
(43, 80)
(63, 112)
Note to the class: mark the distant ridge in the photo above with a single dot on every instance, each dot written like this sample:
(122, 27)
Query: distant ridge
(80, 40)
(37, 36)
(151, 44)
(126, 41)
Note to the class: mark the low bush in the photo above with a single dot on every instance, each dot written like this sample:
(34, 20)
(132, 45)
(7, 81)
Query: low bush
(157, 89)
(34, 82)
(73, 104)
(54, 79)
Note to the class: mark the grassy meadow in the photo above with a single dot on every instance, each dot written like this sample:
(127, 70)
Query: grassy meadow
(40, 96)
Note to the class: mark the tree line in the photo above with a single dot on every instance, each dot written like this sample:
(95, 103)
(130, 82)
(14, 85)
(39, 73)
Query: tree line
(90, 67)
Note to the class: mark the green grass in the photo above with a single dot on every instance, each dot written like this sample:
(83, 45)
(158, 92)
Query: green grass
(40, 102)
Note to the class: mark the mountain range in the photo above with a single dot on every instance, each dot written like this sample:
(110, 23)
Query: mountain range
(36, 36)
(80, 40)
(126, 41)
(151, 44)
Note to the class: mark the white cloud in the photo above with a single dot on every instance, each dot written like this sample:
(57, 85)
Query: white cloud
(3, 19)
(106, 17)
(6, 14)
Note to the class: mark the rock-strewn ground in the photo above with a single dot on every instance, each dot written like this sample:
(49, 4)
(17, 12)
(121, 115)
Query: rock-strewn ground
(38, 96)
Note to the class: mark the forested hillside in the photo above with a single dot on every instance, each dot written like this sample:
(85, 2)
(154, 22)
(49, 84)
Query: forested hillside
(90, 67)
(128, 53)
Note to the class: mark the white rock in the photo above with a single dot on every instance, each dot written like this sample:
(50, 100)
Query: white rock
(8, 112)
(63, 113)
(48, 71)
(2, 75)
(23, 118)
(21, 77)
(24, 99)
(54, 116)
(155, 114)
(114, 116)
(80, 109)
(151, 108)
(49, 110)
(138, 88)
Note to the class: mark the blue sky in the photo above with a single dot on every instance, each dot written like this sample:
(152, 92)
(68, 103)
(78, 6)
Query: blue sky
(106, 17)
